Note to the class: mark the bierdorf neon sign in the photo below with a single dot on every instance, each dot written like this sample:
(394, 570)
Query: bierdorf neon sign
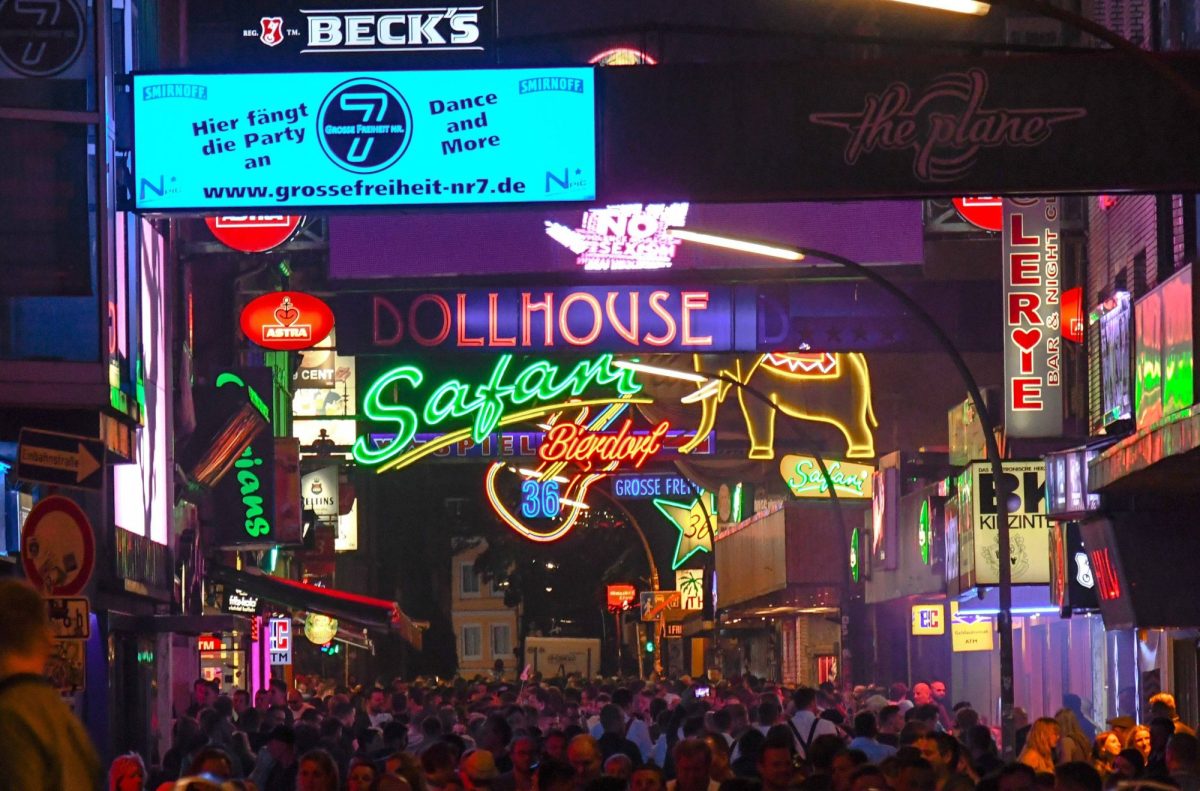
(538, 389)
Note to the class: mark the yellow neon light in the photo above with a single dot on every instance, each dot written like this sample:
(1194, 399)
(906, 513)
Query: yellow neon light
(576, 505)
(446, 440)
(848, 375)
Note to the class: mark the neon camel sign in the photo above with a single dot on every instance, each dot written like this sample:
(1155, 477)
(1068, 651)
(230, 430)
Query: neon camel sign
(542, 388)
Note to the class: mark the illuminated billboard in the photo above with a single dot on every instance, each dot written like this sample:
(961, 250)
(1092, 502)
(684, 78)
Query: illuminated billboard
(338, 139)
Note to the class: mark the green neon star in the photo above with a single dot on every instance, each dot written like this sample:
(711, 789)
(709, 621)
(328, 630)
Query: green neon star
(696, 523)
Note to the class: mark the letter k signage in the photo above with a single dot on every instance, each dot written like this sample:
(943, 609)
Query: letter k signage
(696, 522)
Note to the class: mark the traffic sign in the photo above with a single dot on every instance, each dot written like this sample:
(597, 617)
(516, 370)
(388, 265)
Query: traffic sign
(58, 548)
(656, 603)
(983, 211)
(60, 459)
(70, 617)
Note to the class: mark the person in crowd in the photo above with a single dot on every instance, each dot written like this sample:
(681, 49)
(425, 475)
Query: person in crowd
(1076, 776)
(612, 740)
(618, 766)
(807, 724)
(361, 774)
(1016, 777)
(555, 776)
(845, 764)
(127, 773)
(748, 751)
(478, 770)
(869, 778)
(891, 722)
(1040, 748)
(212, 761)
(720, 769)
(438, 764)
(42, 744)
(554, 746)
(915, 774)
(775, 766)
(1181, 757)
(317, 772)
(277, 767)
(1104, 751)
(866, 738)
(1075, 704)
(1122, 727)
(965, 719)
(1021, 728)
(941, 750)
(693, 760)
(647, 777)
(938, 690)
(1161, 731)
(982, 753)
(1163, 705)
(523, 754)
(584, 756)
(1074, 745)
(1139, 739)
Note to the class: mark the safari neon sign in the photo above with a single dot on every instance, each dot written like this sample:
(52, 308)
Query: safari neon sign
(474, 411)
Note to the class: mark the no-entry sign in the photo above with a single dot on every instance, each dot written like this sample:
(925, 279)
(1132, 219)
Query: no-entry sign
(58, 548)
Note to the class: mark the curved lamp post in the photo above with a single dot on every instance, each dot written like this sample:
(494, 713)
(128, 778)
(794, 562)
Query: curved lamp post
(1004, 619)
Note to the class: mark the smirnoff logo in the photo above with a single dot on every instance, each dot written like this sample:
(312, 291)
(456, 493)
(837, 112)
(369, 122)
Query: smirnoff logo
(945, 127)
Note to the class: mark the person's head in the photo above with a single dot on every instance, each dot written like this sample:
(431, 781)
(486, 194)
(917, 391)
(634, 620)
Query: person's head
(868, 778)
(241, 701)
(647, 777)
(523, 752)
(211, 761)
(769, 711)
(584, 756)
(922, 695)
(1076, 776)
(845, 764)
(478, 769)
(623, 698)
(965, 719)
(262, 700)
(1106, 747)
(911, 732)
(495, 735)
(693, 759)
(1181, 754)
(281, 744)
(775, 764)
(127, 773)
(278, 691)
(554, 746)
(1016, 777)
(554, 776)
(805, 699)
(916, 774)
(619, 766)
(979, 741)
(865, 725)
(612, 719)
(1161, 730)
(437, 763)
(375, 701)
(890, 719)
(1139, 739)
(25, 641)
(1043, 736)
(719, 748)
(940, 750)
(1163, 705)
(317, 772)
(938, 688)
(361, 774)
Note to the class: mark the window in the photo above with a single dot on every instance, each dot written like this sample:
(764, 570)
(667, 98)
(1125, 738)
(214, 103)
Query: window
(468, 579)
(472, 642)
(501, 641)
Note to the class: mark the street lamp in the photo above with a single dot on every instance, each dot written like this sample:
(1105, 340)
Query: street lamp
(1004, 619)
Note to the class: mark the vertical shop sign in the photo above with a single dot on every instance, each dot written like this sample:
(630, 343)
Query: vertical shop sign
(1032, 335)
(1029, 545)
(280, 636)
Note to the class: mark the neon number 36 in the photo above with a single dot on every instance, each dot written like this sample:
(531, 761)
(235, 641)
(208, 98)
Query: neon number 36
(540, 499)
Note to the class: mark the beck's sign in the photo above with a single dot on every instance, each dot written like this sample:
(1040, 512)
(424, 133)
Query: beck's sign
(1032, 335)
(337, 139)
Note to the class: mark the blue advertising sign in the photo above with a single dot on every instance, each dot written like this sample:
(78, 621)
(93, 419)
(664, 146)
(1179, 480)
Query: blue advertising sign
(651, 485)
(335, 139)
(647, 318)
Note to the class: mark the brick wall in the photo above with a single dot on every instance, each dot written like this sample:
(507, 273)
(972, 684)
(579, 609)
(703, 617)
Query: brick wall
(1125, 232)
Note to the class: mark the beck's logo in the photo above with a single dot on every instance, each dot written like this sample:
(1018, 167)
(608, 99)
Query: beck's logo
(272, 30)
(945, 127)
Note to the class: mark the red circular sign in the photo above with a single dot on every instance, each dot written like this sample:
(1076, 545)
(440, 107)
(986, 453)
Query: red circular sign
(253, 233)
(982, 211)
(58, 549)
(287, 320)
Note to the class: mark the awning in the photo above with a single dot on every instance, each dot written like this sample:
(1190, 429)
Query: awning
(352, 607)
(1159, 459)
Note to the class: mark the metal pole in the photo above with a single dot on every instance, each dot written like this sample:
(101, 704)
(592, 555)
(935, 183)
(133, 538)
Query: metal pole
(619, 635)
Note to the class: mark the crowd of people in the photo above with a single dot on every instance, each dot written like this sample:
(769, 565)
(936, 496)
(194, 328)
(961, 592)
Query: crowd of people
(742, 734)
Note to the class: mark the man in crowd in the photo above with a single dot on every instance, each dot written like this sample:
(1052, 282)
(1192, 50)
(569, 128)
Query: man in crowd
(891, 722)
(693, 758)
(584, 755)
(775, 768)
(807, 723)
(42, 744)
(941, 750)
(866, 730)
(1163, 705)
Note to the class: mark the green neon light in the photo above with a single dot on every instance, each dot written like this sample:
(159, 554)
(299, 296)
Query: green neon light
(854, 544)
(735, 507)
(257, 525)
(924, 532)
(483, 405)
(696, 522)
(228, 378)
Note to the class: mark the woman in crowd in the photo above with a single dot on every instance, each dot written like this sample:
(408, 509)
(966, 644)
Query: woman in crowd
(1139, 739)
(1104, 752)
(127, 773)
(1073, 746)
(362, 774)
(317, 772)
(1040, 746)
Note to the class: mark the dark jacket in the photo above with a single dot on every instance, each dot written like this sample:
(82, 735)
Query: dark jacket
(43, 747)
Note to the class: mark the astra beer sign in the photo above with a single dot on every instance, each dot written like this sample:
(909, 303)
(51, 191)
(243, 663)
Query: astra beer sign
(404, 401)
(614, 318)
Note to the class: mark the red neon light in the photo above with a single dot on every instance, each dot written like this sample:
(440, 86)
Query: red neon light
(621, 596)
(571, 442)
(1071, 309)
(207, 643)
(1108, 585)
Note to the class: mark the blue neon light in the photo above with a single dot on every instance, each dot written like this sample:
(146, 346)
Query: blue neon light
(326, 139)
(540, 499)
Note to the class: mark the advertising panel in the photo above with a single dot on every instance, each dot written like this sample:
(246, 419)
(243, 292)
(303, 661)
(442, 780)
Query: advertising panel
(279, 631)
(336, 139)
(970, 632)
(1116, 388)
(319, 492)
(1032, 335)
(338, 34)
(1067, 492)
(243, 501)
(1029, 527)
(804, 477)
(1163, 350)
(928, 619)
